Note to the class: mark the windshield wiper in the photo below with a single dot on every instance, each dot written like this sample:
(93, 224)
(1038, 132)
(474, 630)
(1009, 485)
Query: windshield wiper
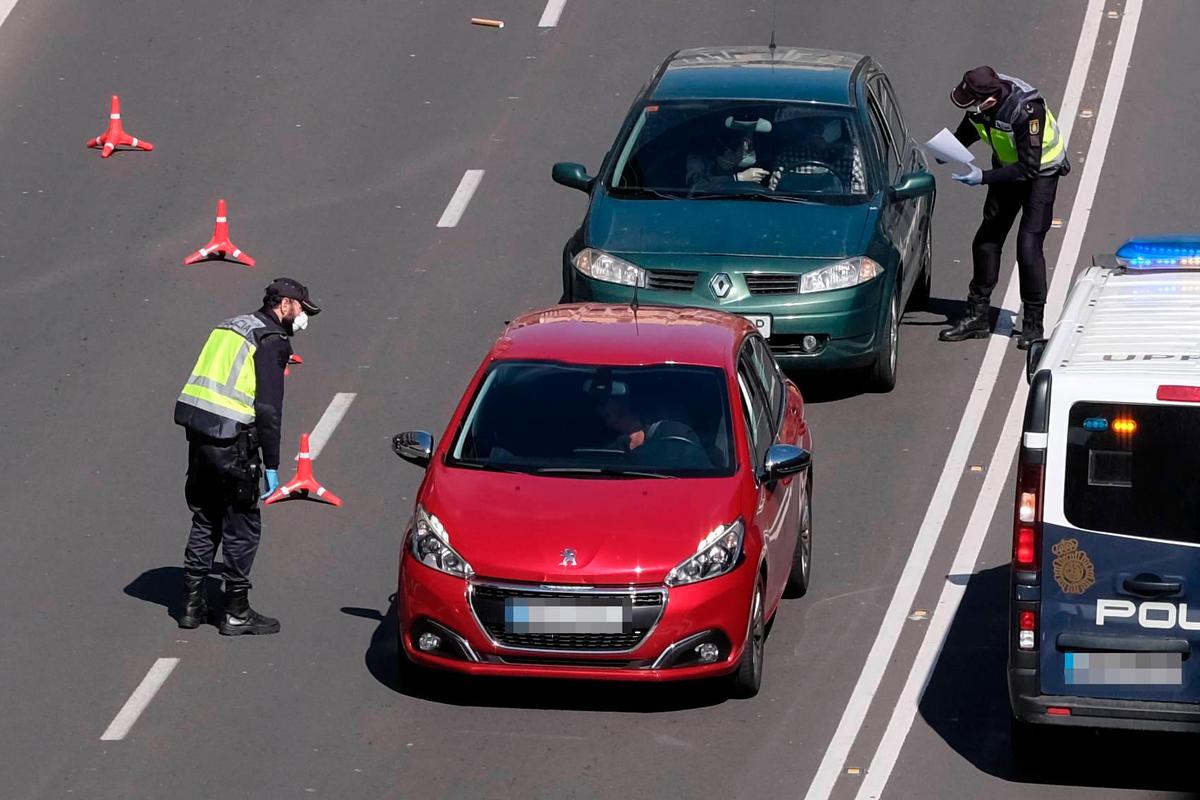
(774, 198)
(630, 192)
(604, 472)
(490, 467)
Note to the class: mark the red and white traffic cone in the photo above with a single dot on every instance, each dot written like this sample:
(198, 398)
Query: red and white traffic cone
(304, 486)
(219, 245)
(292, 359)
(116, 136)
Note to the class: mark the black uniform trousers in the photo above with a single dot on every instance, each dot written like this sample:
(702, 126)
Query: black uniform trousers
(218, 518)
(1034, 199)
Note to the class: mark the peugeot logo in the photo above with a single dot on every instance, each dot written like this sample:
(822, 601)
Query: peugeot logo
(568, 558)
(720, 284)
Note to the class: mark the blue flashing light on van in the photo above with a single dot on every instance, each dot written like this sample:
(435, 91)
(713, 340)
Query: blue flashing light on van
(1161, 251)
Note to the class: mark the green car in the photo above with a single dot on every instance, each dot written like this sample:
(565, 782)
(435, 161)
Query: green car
(776, 183)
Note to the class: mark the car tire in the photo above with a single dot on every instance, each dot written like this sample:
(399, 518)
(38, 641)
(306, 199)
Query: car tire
(797, 583)
(881, 376)
(919, 299)
(747, 678)
(410, 676)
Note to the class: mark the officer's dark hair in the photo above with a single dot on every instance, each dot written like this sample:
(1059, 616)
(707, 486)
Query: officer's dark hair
(271, 301)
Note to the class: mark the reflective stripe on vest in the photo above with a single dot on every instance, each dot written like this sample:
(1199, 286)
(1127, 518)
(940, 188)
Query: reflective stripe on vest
(1005, 144)
(223, 380)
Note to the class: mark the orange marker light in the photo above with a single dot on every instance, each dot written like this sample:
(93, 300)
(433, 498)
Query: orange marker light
(1124, 426)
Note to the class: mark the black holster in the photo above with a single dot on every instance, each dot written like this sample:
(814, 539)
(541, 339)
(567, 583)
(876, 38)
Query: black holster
(245, 474)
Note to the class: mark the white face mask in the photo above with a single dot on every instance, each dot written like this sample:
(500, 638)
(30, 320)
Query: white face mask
(300, 322)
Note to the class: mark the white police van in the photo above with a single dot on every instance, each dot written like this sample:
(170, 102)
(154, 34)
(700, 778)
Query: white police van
(1105, 603)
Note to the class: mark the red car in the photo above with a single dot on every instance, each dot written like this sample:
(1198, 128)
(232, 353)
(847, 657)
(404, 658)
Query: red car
(621, 494)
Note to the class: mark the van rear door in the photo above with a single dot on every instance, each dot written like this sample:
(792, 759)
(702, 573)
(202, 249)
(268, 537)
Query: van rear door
(1120, 585)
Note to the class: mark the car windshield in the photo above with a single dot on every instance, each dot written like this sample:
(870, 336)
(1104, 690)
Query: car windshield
(568, 420)
(730, 149)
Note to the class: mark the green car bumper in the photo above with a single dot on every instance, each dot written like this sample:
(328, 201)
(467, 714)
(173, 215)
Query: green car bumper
(844, 322)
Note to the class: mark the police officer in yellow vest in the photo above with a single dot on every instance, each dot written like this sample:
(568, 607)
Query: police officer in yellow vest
(232, 407)
(1028, 156)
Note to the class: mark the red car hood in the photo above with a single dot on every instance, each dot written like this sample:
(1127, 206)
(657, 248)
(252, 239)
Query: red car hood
(516, 527)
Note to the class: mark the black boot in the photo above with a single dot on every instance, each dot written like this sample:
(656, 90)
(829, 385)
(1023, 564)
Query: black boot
(1031, 325)
(239, 618)
(974, 324)
(195, 602)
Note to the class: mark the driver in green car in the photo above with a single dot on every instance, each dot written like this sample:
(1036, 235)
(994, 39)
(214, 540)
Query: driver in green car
(730, 157)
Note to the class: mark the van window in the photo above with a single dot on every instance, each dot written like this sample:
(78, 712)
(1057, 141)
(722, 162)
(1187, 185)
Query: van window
(1134, 469)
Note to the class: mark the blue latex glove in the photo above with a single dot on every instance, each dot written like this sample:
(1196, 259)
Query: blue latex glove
(972, 178)
(272, 477)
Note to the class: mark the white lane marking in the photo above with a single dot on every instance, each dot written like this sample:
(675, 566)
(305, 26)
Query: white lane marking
(337, 409)
(552, 13)
(994, 485)
(462, 196)
(137, 702)
(930, 531)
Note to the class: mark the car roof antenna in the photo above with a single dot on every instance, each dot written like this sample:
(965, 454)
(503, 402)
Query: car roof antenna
(771, 45)
(633, 306)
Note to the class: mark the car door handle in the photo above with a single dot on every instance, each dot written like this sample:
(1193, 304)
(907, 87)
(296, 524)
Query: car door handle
(1151, 586)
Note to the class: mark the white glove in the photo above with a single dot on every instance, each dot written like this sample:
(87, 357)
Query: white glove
(752, 174)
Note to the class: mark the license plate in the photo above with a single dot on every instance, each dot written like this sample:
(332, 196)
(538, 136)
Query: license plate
(1143, 669)
(558, 615)
(762, 322)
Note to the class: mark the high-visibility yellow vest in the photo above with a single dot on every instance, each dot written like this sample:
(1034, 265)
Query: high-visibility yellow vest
(1000, 134)
(223, 381)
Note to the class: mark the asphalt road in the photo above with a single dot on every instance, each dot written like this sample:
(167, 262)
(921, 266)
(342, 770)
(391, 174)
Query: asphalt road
(338, 131)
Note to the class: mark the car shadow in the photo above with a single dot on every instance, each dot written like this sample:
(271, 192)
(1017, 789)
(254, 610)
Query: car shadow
(544, 694)
(966, 703)
(164, 586)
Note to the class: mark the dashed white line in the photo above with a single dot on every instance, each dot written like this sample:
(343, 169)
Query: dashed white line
(930, 531)
(989, 494)
(552, 13)
(328, 422)
(137, 702)
(6, 6)
(462, 196)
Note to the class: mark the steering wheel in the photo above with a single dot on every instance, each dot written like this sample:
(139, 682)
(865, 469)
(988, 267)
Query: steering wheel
(674, 438)
(794, 167)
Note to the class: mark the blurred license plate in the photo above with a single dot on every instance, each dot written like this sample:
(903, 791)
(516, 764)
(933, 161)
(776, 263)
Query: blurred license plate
(559, 615)
(1145, 669)
(762, 322)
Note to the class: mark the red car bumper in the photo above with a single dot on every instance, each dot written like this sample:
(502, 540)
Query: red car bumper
(715, 610)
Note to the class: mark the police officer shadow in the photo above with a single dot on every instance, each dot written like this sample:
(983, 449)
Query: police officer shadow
(966, 703)
(164, 586)
(560, 695)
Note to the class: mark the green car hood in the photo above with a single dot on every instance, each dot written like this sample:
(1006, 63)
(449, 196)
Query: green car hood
(729, 227)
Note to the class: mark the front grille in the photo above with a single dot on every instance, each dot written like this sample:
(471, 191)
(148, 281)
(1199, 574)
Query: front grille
(488, 605)
(772, 283)
(671, 280)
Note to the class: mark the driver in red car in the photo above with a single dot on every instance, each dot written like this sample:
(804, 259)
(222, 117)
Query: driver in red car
(619, 415)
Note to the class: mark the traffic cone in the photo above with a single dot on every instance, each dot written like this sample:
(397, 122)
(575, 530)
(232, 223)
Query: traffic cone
(220, 246)
(292, 359)
(304, 486)
(116, 136)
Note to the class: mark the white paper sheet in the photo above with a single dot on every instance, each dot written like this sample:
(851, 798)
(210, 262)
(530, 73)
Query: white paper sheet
(943, 145)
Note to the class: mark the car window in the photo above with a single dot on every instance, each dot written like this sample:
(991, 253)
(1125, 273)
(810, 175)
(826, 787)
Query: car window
(767, 372)
(887, 151)
(715, 149)
(891, 111)
(1130, 469)
(551, 418)
(762, 433)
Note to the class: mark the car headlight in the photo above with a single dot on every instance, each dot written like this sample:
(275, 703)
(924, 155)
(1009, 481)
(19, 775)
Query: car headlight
(430, 544)
(606, 267)
(841, 275)
(717, 554)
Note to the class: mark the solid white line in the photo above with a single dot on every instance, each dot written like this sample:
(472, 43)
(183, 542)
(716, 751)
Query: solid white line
(6, 6)
(337, 409)
(930, 531)
(986, 504)
(551, 14)
(462, 196)
(138, 701)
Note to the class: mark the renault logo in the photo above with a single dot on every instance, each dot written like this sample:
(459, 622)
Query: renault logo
(568, 558)
(720, 284)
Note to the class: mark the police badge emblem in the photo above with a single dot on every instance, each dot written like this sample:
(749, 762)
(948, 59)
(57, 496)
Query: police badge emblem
(1073, 570)
(1034, 127)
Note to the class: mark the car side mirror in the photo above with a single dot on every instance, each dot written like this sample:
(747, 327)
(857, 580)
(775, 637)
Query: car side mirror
(914, 184)
(415, 447)
(784, 460)
(1032, 356)
(572, 175)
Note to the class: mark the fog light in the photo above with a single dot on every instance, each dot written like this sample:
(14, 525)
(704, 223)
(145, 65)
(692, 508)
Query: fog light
(708, 652)
(809, 344)
(429, 641)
